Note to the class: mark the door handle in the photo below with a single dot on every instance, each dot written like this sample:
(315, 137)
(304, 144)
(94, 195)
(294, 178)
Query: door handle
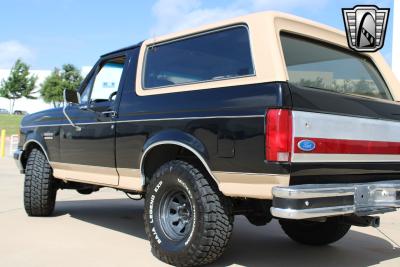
(84, 107)
(111, 113)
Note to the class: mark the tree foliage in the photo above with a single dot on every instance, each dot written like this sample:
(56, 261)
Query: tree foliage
(69, 77)
(20, 83)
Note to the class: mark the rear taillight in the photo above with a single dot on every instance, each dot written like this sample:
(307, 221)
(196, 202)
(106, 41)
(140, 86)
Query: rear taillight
(278, 135)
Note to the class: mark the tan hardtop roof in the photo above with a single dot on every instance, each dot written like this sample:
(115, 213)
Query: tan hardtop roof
(266, 16)
(264, 31)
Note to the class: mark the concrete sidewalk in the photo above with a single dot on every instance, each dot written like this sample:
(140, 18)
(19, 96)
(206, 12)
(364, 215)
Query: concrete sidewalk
(106, 229)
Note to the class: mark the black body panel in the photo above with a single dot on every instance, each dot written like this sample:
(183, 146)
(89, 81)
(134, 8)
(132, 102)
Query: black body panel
(223, 125)
(228, 122)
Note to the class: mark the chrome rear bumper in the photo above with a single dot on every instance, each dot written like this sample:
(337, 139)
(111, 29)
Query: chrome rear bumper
(323, 200)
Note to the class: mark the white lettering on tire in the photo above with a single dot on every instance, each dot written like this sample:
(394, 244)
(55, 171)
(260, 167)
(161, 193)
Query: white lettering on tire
(153, 230)
(151, 218)
(194, 210)
(158, 187)
(151, 208)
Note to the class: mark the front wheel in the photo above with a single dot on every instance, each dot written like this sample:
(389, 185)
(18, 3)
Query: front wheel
(40, 187)
(315, 233)
(186, 218)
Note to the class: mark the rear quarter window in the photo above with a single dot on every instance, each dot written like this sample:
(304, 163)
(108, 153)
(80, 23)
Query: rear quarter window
(316, 65)
(216, 55)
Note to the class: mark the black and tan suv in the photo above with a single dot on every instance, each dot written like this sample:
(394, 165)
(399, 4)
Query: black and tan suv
(267, 115)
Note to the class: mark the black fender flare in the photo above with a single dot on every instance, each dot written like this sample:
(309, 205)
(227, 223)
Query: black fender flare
(37, 139)
(179, 138)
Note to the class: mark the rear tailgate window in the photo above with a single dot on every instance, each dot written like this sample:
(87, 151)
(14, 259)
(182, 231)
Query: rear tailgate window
(316, 65)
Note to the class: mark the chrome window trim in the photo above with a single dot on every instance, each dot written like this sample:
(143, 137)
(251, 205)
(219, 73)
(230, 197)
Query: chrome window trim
(152, 45)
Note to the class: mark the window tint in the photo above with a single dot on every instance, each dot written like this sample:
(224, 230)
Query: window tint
(310, 64)
(213, 56)
(107, 80)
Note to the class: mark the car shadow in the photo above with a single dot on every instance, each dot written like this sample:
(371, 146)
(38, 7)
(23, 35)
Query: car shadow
(123, 215)
(250, 245)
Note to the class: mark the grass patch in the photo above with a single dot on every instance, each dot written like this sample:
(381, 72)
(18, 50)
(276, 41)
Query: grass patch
(10, 123)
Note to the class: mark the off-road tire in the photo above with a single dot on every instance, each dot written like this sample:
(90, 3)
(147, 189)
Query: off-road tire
(40, 187)
(212, 219)
(315, 233)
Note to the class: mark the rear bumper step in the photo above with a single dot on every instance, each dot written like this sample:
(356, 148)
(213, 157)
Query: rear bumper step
(323, 200)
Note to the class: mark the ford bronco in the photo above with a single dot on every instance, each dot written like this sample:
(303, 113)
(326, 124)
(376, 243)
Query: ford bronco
(267, 115)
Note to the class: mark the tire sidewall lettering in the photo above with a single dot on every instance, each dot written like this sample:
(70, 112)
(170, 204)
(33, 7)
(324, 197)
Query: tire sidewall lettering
(189, 192)
(151, 213)
(155, 198)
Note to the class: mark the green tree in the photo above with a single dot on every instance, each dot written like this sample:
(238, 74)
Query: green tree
(69, 77)
(52, 88)
(20, 83)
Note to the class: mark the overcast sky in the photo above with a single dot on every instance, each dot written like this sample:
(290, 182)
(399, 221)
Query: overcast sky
(48, 33)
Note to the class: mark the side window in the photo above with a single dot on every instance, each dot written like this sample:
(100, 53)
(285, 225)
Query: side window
(217, 55)
(106, 82)
(315, 65)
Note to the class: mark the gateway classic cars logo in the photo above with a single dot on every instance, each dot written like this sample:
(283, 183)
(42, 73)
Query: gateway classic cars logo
(365, 27)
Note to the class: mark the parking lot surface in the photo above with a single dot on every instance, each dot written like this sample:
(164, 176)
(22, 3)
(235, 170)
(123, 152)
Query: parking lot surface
(106, 229)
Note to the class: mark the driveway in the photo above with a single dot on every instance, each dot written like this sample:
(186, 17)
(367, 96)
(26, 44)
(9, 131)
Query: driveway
(106, 229)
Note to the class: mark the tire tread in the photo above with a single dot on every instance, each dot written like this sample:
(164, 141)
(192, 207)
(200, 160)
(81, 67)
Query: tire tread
(218, 220)
(39, 186)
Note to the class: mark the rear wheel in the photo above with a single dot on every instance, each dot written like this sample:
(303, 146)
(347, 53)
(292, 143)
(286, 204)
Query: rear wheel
(186, 218)
(315, 233)
(40, 187)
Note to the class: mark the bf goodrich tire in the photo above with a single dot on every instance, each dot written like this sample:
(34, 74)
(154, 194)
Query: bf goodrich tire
(40, 187)
(315, 233)
(187, 219)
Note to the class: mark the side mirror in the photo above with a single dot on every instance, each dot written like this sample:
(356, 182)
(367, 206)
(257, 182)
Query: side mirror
(72, 97)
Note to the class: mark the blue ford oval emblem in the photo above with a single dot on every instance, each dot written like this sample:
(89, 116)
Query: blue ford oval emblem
(306, 145)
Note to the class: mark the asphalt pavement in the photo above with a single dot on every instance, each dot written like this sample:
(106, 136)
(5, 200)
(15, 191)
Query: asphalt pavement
(106, 229)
